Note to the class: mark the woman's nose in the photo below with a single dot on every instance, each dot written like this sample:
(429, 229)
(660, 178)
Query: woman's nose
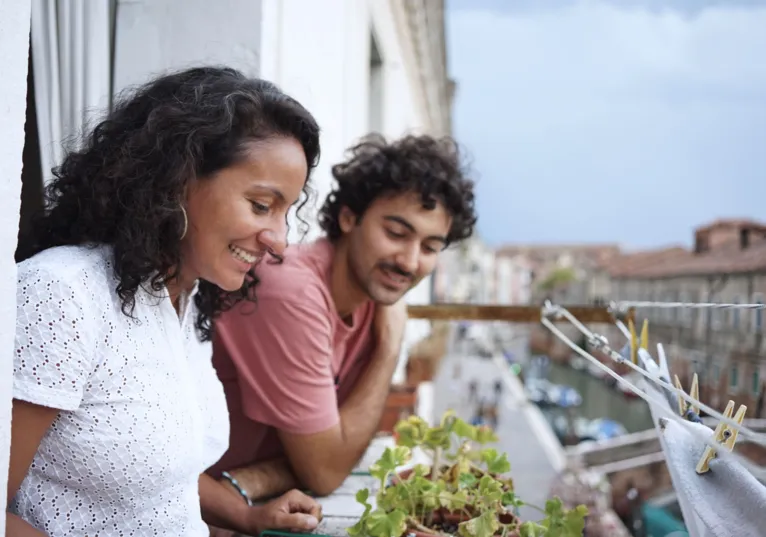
(269, 241)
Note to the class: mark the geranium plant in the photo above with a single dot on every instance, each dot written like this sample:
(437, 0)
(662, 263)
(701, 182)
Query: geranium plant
(465, 490)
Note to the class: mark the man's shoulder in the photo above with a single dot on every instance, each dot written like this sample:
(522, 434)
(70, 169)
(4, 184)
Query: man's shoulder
(302, 274)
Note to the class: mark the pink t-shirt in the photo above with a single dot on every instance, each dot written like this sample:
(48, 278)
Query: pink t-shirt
(288, 362)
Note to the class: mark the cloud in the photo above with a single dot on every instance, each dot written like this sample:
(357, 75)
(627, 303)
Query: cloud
(597, 121)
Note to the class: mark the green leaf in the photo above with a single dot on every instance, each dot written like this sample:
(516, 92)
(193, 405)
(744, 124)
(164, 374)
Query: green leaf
(421, 470)
(382, 524)
(485, 435)
(362, 496)
(467, 480)
(561, 522)
(510, 499)
(496, 463)
(411, 432)
(394, 496)
(490, 491)
(437, 437)
(389, 461)
(463, 429)
(499, 465)
(484, 525)
(426, 492)
(359, 528)
(448, 420)
(452, 501)
(533, 529)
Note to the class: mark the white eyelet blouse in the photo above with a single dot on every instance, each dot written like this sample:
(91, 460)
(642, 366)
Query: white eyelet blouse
(143, 412)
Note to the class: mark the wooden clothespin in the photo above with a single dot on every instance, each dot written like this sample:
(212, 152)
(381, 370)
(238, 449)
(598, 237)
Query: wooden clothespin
(724, 435)
(635, 343)
(689, 412)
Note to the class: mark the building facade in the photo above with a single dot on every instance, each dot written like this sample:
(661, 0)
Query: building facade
(725, 347)
(558, 272)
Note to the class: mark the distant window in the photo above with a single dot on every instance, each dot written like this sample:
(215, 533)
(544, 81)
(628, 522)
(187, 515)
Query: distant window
(758, 314)
(716, 372)
(733, 377)
(756, 381)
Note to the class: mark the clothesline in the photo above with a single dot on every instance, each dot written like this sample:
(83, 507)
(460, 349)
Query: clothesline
(600, 342)
(727, 501)
(625, 305)
(656, 403)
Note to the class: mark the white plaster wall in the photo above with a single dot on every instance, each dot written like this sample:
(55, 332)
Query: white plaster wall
(504, 280)
(319, 52)
(154, 36)
(14, 49)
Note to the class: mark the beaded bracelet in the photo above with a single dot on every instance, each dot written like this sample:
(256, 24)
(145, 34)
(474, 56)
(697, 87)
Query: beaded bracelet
(236, 485)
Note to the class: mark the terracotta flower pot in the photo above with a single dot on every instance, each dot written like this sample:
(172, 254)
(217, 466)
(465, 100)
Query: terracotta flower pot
(456, 518)
(400, 404)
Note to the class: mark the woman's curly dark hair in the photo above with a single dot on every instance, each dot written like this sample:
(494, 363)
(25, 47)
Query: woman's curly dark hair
(124, 185)
(428, 166)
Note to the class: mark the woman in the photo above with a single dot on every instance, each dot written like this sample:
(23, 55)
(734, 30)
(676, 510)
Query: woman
(152, 229)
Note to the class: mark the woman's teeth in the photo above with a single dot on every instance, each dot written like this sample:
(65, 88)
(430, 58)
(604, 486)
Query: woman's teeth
(242, 255)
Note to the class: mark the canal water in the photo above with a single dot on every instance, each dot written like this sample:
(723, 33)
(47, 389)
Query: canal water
(602, 401)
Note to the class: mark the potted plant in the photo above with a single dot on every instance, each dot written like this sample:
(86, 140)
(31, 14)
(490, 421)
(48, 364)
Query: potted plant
(465, 489)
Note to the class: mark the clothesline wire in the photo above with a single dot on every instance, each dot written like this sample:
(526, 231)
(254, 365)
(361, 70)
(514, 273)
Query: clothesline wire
(601, 343)
(624, 305)
(706, 439)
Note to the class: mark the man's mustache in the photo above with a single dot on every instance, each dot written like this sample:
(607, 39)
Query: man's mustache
(396, 269)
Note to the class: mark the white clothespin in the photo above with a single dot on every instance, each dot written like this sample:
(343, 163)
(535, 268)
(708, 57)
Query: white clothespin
(724, 435)
(664, 371)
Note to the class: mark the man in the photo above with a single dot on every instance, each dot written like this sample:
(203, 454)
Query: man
(307, 375)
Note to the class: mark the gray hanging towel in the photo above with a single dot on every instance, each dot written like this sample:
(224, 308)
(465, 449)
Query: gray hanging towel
(728, 501)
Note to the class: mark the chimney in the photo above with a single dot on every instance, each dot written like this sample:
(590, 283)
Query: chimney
(701, 242)
(744, 238)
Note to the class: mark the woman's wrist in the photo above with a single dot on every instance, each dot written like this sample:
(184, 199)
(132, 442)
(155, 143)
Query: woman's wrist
(234, 483)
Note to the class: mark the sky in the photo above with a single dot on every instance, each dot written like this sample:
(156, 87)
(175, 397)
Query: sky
(627, 121)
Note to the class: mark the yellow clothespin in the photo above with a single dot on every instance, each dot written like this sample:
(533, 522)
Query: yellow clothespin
(635, 343)
(645, 335)
(724, 435)
(694, 393)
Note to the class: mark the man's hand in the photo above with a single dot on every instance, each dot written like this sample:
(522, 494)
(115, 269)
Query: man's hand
(389, 326)
(293, 511)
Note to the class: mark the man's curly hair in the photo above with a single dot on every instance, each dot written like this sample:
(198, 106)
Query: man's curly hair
(124, 185)
(428, 166)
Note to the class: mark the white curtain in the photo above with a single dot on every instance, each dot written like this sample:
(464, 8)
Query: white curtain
(71, 54)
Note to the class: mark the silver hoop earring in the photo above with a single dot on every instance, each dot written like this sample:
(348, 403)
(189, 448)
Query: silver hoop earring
(186, 222)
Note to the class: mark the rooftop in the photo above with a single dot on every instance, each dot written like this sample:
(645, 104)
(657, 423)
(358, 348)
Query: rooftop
(725, 254)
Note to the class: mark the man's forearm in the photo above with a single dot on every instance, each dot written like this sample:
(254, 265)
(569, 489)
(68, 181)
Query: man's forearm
(266, 479)
(361, 411)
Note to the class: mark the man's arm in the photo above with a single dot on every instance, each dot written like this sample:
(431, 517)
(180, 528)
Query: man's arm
(321, 461)
(295, 393)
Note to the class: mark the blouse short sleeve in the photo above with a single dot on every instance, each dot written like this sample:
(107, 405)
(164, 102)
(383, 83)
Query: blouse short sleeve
(53, 357)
